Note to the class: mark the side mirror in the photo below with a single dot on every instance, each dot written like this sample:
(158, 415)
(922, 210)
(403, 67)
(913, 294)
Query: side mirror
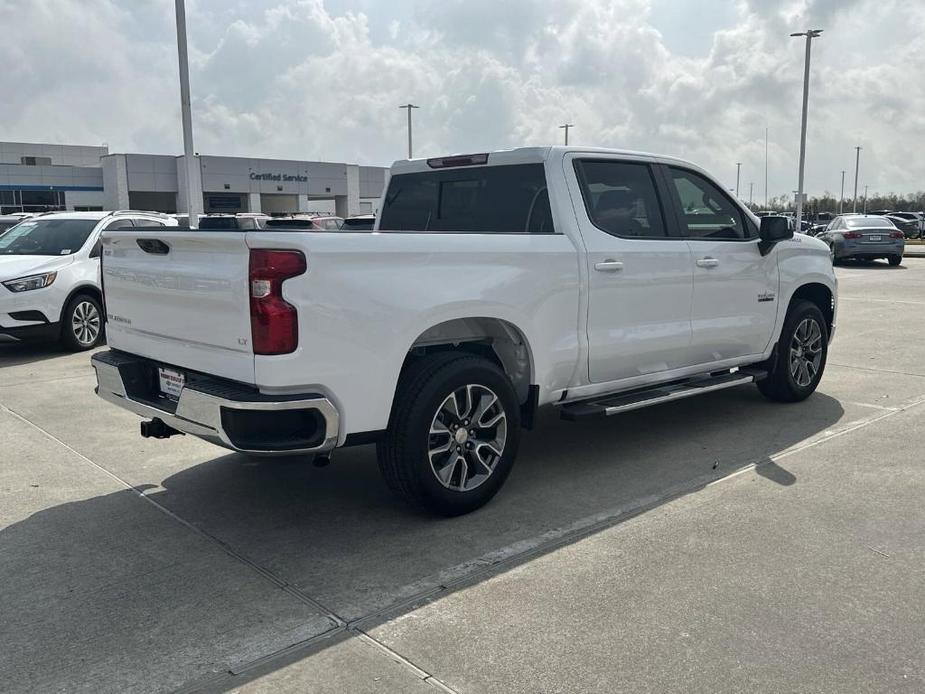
(773, 230)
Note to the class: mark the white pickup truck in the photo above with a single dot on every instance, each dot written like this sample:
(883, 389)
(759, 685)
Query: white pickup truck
(595, 281)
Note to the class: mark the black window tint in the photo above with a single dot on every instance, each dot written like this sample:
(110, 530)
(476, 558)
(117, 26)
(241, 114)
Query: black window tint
(705, 210)
(219, 223)
(494, 199)
(621, 198)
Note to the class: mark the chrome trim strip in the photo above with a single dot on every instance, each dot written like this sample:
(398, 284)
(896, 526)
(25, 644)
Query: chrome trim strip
(199, 414)
(678, 395)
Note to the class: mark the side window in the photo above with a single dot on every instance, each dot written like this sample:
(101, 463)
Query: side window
(123, 223)
(621, 198)
(706, 211)
(142, 222)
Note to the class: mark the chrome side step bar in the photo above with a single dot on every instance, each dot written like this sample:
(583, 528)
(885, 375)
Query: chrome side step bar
(608, 405)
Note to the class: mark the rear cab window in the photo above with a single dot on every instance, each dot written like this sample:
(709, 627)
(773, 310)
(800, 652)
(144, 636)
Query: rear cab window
(504, 199)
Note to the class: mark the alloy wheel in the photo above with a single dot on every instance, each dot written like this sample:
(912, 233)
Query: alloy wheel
(85, 322)
(806, 352)
(467, 437)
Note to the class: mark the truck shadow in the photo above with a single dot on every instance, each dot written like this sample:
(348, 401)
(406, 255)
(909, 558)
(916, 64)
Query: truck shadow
(337, 535)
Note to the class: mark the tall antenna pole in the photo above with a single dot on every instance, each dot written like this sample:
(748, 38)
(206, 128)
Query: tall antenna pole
(192, 192)
(409, 106)
(738, 171)
(565, 127)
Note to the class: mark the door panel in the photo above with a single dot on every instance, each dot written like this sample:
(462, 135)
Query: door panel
(640, 278)
(735, 299)
(734, 306)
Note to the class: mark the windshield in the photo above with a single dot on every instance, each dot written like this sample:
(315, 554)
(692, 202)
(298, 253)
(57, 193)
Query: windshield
(46, 236)
(855, 222)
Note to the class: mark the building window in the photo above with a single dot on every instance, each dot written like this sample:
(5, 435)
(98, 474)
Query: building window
(35, 161)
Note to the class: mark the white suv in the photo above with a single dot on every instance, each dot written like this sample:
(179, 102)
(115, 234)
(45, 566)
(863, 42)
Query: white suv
(49, 271)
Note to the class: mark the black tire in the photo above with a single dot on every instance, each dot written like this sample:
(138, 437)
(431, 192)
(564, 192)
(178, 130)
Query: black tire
(404, 452)
(895, 260)
(82, 323)
(782, 385)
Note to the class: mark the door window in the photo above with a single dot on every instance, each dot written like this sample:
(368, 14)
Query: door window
(143, 222)
(620, 198)
(707, 212)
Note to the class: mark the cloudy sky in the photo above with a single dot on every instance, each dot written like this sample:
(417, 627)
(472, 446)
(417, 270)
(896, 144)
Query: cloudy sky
(322, 79)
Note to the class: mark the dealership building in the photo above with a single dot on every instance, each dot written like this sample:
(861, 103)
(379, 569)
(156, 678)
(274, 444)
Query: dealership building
(40, 177)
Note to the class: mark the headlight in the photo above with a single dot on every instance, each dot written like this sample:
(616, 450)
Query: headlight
(25, 284)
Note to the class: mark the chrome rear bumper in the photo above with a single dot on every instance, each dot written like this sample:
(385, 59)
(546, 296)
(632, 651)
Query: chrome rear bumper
(208, 408)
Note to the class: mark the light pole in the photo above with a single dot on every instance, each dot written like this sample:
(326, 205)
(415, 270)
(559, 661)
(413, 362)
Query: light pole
(409, 106)
(751, 187)
(765, 167)
(857, 163)
(738, 172)
(841, 198)
(566, 127)
(192, 192)
(810, 34)
(865, 199)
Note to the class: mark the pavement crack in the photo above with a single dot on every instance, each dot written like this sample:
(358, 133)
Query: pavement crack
(397, 657)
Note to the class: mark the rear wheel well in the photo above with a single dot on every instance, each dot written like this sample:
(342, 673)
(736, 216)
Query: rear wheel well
(821, 296)
(492, 338)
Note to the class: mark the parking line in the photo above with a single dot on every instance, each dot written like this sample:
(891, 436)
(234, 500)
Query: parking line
(491, 564)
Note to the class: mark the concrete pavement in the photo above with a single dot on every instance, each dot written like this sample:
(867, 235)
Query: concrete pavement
(621, 555)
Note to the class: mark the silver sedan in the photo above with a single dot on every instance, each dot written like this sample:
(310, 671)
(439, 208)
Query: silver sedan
(864, 237)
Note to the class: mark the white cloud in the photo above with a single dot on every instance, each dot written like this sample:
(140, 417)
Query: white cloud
(305, 80)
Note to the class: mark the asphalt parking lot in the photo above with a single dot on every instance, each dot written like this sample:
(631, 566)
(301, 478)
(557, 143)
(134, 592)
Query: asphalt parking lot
(717, 544)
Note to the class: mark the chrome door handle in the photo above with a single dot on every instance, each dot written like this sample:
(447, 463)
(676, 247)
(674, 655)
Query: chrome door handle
(608, 266)
(707, 262)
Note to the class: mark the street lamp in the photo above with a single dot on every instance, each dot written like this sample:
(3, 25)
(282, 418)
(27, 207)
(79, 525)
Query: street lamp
(810, 34)
(841, 197)
(738, 171)
(565, 127)
(857, 164)
(409, 106)
(192, 190)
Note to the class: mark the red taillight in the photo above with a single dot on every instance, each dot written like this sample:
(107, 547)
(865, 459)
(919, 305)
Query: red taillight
(274, 322)
(897, 235)
(852, 235)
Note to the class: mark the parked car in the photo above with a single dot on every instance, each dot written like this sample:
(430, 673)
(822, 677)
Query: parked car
(300, 222)
(909, 227)
(241, 221)
(362, 222)
(911, 223)
(864, 237)
(12, 219)
(49, 271)
(593, 281)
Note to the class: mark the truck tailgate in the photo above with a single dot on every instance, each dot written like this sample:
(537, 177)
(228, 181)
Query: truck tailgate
(180, 297)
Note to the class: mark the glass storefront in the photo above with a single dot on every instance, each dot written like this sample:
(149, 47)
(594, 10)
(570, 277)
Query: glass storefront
(31, 201)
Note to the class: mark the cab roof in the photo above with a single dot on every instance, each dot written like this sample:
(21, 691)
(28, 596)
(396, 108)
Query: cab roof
(521, 155)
